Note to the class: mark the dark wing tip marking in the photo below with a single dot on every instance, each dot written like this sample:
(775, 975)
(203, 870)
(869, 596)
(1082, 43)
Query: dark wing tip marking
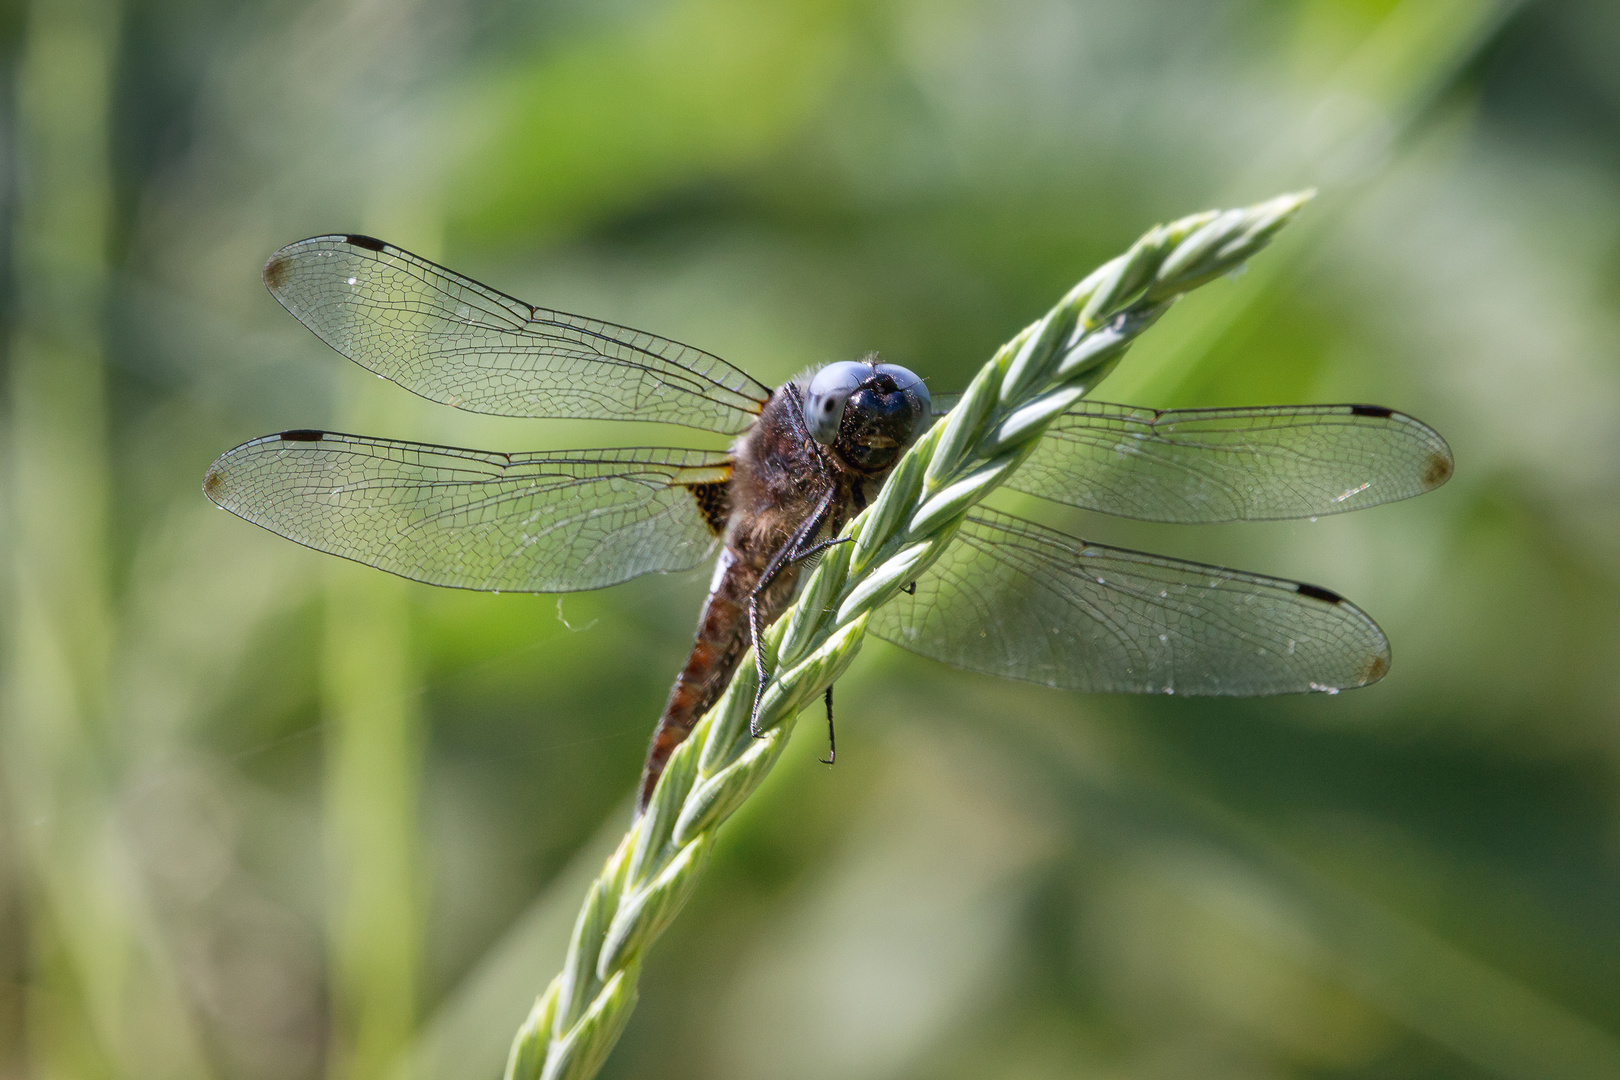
(276, 270)
(1377, 411)
(1438, 471)
(714, 503)
(302, 435)
(213, 481)
(1376, 669)
(370, 243)
(1316, 592)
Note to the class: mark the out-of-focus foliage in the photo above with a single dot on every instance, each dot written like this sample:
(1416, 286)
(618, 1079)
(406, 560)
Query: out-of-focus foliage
(270, 815)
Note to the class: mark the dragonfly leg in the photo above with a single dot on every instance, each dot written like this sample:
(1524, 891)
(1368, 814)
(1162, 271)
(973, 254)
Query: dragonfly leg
(789, 553)
(817, 549)
(759, 664)
(832, 742)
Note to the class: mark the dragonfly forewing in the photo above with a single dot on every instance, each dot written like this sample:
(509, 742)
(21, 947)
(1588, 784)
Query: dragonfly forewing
(542, 522)
(1193, 466)
(456, 341)
(1022, 601)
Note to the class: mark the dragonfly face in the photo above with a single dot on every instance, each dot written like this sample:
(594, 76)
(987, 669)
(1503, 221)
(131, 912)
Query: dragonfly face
(867, 411)
(1009, 597)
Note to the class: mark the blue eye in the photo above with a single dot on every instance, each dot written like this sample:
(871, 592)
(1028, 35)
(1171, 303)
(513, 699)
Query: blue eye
(827, 397)
(828, 393)
(915, 390)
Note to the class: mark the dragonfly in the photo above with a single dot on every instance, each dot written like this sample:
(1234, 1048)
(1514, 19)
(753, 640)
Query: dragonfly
(1009, 597)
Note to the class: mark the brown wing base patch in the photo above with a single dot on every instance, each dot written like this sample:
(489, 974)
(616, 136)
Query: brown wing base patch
(714, 503)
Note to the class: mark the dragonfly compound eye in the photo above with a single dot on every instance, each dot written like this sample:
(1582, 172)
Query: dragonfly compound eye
(916, 394)
(827, 395)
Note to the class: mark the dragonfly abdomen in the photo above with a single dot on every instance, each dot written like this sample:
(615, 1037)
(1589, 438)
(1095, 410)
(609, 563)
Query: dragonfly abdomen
(722, 638)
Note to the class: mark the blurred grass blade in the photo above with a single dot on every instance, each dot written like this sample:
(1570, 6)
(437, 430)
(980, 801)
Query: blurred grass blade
(467, 1034)
(614, 118)
(373, 774)
(1474, 1009)
(1378, 95)
(104, 999)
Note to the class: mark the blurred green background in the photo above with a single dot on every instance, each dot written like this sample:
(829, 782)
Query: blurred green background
(271, 815)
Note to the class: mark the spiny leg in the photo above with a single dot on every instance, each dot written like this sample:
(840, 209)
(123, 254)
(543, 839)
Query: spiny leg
(832, 742)
(818, 548)
(789, 553)
(759, 663)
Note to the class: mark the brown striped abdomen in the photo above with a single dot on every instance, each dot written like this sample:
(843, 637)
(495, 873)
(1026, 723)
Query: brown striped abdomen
(722, 638)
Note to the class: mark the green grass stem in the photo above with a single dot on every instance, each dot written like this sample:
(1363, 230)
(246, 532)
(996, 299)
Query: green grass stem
(1003, 412)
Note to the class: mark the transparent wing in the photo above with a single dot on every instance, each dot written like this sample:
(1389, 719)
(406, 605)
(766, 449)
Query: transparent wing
(1256, 464)
(1013, 598)
(547, 522)
(452, 340)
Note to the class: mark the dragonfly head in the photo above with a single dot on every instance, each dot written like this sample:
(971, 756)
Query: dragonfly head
(867, 411)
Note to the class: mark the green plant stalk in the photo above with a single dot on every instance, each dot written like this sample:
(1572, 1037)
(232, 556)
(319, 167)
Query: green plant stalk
(1006, 408)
